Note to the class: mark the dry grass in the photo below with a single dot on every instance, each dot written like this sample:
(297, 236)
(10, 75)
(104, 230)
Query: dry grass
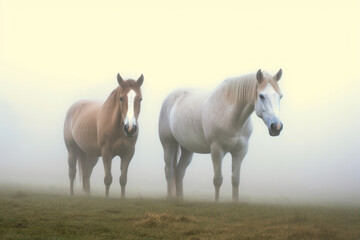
(29, 215)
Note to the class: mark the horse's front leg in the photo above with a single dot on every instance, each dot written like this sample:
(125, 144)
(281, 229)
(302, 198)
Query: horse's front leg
(125, 161)
(217, 155)
(237, 158)
(107, 157)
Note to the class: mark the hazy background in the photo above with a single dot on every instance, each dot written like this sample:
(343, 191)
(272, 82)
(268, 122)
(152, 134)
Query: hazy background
(53, 53)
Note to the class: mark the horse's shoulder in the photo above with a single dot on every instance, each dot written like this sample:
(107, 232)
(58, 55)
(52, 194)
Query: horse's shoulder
(247, 128)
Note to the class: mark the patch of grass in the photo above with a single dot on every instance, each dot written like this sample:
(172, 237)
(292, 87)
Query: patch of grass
(29, 215)
(19, 194)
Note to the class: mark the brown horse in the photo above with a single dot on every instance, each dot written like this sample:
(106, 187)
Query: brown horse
(107, 129)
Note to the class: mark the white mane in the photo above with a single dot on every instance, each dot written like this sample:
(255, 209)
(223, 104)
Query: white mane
(245, 88)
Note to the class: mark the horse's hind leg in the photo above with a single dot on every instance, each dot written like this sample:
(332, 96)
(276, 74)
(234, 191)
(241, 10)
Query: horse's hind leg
(88, 163)
(184, 162)
(170, 158)
(72, 159)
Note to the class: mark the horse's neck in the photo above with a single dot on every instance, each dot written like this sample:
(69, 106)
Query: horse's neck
(238, 111)
(241, 113)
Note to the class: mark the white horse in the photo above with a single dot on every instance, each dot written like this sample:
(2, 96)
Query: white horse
(217, 122)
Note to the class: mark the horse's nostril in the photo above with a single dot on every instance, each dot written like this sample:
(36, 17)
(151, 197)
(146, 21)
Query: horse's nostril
(273, 127)
(126, 128)
(130, 132)
(133, 130)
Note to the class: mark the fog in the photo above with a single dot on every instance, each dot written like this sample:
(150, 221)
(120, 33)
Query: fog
(53, 53)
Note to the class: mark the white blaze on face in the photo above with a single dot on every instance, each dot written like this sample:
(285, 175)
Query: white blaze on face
(268, 108)
(130, 116)
(273, 101)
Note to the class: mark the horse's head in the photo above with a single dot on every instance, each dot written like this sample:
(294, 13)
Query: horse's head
(130, 102)
(267, 106)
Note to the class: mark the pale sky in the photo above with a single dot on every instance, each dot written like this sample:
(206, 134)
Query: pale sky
(53, 53)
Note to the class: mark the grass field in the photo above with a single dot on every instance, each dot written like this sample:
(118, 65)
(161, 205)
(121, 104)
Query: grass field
(43, 215)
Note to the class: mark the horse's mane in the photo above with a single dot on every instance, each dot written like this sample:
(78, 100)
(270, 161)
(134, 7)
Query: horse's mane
(246, 87)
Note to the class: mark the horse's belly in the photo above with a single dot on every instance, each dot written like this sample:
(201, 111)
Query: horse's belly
(87, 141)
(188, 131)
(191, 141)
(91, 149)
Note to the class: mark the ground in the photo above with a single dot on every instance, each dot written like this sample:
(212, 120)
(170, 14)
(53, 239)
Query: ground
(48, 215)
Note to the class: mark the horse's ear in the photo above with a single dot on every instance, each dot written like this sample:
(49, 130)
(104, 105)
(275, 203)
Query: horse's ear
(259, 76)
(278, 75)
(119, 79)
(140, 80)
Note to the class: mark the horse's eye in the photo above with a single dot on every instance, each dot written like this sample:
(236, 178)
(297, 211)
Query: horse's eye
(262, 97)
(121, 99)
(140, 99)
(281, 96)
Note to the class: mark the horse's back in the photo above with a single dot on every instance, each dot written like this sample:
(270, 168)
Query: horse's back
(80, 128)
(181, 119)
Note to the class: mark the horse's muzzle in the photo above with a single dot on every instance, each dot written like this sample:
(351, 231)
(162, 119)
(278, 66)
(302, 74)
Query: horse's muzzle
(130, 132)
(275, 129)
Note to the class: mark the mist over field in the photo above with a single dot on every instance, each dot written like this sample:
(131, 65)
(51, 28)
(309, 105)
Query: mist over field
(53, 53)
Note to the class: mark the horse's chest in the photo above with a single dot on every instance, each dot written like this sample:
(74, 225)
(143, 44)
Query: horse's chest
(228, 139)
(229, 144)
(122, 146)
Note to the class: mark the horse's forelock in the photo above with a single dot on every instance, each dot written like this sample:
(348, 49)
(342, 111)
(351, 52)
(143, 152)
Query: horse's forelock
(128, 85)
(269, 79)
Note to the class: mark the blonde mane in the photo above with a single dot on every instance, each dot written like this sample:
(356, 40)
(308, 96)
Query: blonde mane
(245, 88)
